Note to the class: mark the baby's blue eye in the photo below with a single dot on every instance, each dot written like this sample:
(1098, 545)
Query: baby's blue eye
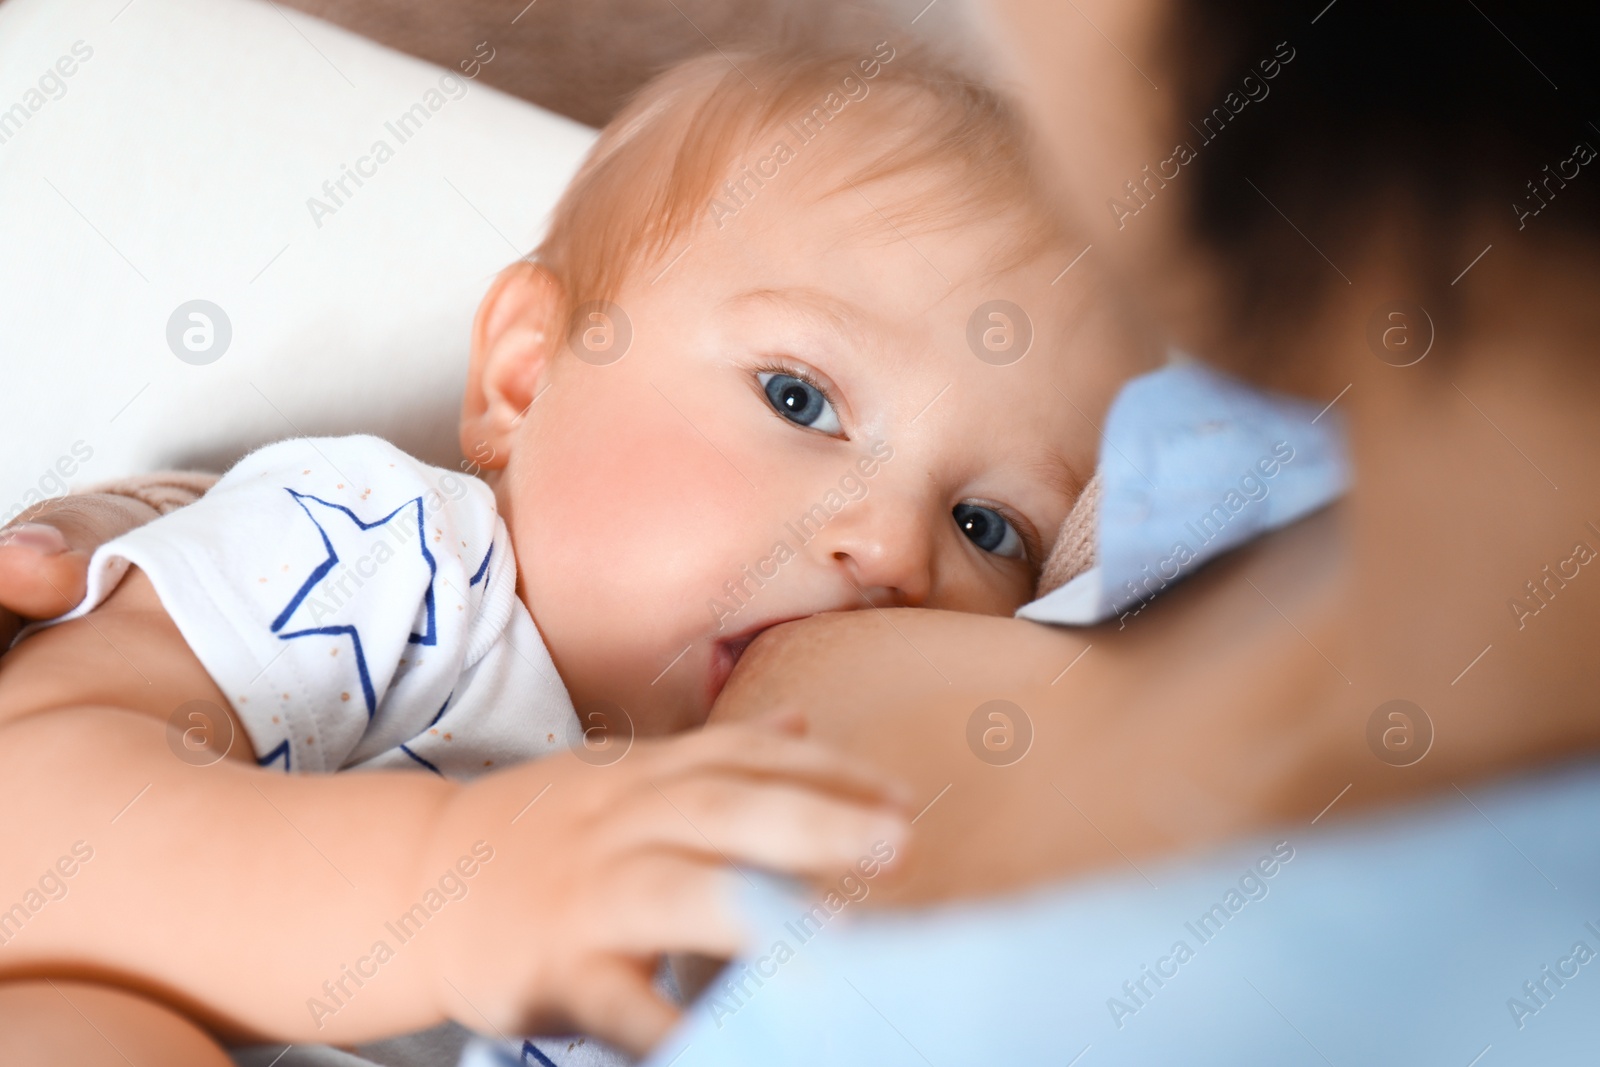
(799, 401)
(988, 529)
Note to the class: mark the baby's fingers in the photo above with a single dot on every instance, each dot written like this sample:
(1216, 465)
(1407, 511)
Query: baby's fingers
(615, 1002)
(670, 901)
(763, 753)
(776, 825)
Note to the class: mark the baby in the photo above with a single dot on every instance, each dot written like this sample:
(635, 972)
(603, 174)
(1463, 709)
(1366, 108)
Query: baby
(800, 339)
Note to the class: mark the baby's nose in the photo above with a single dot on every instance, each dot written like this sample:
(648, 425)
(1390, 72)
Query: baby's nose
(885, 552)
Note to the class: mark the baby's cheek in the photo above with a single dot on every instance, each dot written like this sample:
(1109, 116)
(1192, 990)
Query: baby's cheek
(983, 594)
(639, 502)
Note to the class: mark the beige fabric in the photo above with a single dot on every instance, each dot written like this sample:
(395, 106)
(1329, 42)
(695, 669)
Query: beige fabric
(163, 490)
(1074, 548)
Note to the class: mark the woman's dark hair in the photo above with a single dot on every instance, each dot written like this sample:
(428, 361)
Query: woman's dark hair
(1441, 110)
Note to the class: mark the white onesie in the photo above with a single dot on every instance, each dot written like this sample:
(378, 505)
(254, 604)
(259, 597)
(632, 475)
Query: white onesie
(358, 607)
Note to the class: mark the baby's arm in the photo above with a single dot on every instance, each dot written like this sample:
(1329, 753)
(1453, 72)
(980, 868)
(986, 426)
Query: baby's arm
(256, 901)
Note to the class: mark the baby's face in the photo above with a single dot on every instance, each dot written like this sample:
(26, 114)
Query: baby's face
(799, 424)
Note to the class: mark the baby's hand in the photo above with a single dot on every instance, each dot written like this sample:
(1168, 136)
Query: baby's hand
(44, 556)
(597, 871)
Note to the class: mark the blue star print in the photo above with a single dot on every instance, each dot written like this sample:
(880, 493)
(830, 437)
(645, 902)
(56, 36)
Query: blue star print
(341, 521)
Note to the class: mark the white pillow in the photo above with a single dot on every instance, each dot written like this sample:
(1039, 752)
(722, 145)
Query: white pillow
(176, 162)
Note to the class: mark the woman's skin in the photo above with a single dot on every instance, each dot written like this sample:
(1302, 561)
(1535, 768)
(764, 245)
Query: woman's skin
(97, 1024)
(1126, 760)
(44, 555)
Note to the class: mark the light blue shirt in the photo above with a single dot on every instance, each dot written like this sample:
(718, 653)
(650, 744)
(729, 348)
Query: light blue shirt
(1463, 932)
(1192, 464)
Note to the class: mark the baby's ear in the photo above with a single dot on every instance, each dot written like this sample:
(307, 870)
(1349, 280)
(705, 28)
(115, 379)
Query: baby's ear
(514, 337)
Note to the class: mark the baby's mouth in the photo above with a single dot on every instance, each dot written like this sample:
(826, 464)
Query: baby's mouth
(725, 654)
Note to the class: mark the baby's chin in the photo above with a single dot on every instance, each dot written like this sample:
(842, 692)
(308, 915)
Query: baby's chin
(665, 713)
